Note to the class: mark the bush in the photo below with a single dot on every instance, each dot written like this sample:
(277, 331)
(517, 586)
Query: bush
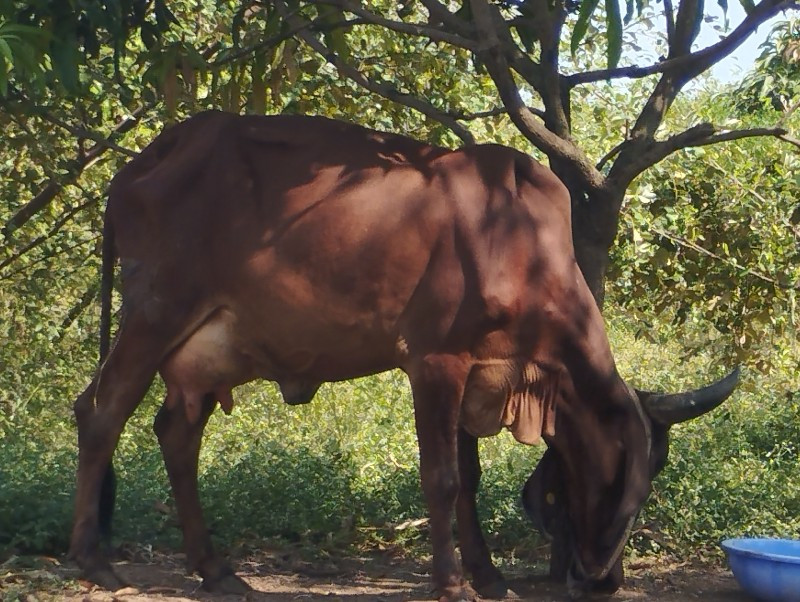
(343, 469)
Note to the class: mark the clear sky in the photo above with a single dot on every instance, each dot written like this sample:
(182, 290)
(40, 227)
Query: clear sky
(741, 61)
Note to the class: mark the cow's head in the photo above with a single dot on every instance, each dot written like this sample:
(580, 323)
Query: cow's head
(588, 535)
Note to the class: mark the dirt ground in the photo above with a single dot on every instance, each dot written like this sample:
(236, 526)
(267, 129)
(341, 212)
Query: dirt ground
(280, 577)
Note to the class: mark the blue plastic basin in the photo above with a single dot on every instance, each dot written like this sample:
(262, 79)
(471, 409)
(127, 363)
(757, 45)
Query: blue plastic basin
(767, 569)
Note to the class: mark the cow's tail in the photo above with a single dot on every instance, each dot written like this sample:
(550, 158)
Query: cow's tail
(108, 489)
(106, 288)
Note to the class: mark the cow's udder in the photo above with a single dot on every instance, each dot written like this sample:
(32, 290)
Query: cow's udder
(209, 362)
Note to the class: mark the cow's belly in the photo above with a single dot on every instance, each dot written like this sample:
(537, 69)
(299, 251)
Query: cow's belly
(231, 348)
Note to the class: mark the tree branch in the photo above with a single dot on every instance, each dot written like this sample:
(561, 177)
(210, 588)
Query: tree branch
(669, 16)
(75, 245)
(84, 133)
(316, 25)
(788, 113)
(49, 192)
(687, 26)
(414, 29)
(492, 113)
(739, 134)
(704, 135)
(638, 152)
(610, 155)
(630, 72)
(438, 12)
(702, 59)
(790, 139)
(77, 309)
(549, 25)
(733, 263)
(381, 88)
(44, 237)
(551, 144)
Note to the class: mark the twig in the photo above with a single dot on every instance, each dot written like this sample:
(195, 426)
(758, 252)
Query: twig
(84, 133)
(380, 88)
(610, 155)
(80, 243)
(492, 113)
(790, 140)
(77, 309)
(788, 113)
(316, 25)
(414, 29)
(49, 192)
(44, 237)
(523, 118)
(702, 250)
(691, 64)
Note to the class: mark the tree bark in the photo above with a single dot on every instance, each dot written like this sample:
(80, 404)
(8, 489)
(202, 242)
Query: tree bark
(595, 220)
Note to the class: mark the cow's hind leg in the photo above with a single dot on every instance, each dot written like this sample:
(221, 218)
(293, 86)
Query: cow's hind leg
(486, 579)
(101, 412)
(437, 383)
(108, 497)
(180, 442)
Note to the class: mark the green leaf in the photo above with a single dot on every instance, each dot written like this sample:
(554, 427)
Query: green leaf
(16, 29)
(164, 16)
(582, 25)
(614, 26)
(149, 34)
(335, 39)
(5, 50)
(66, 56)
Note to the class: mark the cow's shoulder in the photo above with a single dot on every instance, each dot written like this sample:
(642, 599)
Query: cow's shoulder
(496, 168)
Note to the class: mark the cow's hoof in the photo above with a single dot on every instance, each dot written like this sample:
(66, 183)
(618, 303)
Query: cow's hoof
(490, 583)
(496, 590)
(106, 578)
(227, 584)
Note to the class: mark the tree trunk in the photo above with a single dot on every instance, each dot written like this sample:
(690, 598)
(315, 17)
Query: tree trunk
(595, 218)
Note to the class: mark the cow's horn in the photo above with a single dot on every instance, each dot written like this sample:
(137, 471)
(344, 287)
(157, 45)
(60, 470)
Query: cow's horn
(671, 408)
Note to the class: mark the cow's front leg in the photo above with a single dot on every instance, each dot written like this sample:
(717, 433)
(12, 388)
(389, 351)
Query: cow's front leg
(437, 383)
(180, 446)
(486, 579)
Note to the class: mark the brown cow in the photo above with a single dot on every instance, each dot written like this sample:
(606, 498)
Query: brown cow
(303, 250)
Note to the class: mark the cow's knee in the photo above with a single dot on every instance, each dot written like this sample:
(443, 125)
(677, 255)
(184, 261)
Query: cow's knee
(161, 423)
(83, 406)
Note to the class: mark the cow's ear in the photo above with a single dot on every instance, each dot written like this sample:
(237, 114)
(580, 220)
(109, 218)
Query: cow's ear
(659, 449)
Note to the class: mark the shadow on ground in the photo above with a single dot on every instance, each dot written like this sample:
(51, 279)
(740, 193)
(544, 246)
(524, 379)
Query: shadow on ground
(281, 577)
